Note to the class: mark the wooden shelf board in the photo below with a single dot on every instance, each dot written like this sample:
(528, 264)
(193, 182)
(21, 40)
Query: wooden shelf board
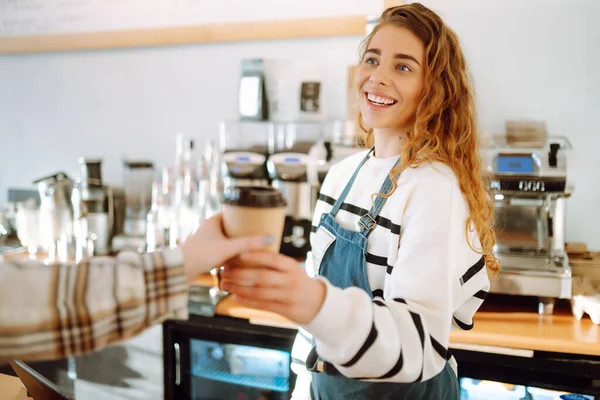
(210, 33)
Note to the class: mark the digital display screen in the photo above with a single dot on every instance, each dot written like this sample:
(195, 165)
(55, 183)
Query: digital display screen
(291, 160)
(515, 163)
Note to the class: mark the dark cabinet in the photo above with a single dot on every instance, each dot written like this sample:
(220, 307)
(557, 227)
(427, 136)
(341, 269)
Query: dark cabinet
(224, 358)
(543, 376)
(214, 358)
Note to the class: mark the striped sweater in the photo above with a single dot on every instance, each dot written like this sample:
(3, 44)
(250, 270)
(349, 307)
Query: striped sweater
(424, 277)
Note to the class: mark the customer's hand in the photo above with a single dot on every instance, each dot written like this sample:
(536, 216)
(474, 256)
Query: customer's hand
(209, 248)
(276, 283)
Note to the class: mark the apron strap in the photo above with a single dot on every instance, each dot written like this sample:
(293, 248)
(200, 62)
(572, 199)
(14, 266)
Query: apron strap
(338, 203)
(368, 221)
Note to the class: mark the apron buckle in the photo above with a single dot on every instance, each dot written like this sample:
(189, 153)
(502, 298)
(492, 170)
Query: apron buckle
(370, 226)
(320, 365)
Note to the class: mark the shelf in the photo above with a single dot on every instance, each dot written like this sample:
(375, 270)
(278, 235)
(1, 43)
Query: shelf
(353, 25)
(218, 370)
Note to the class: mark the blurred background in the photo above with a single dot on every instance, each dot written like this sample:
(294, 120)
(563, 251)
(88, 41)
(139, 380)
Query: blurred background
(123, 121)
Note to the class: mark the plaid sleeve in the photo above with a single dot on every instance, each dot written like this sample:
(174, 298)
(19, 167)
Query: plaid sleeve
(59, 310)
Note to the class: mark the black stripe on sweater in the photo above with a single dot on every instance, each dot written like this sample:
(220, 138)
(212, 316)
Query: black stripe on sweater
(379, 303)
(381, 221)
(395, 369)
(377, 260)
(437, 346)
(462, 325)
(366, 346)
(471, 272)
(400, 363)
(380, 261)
(377, 293)
(419, 325)
(482, 294)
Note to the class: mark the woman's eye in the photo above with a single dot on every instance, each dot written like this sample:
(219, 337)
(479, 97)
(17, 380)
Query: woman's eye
(371, 60)
(403, 68)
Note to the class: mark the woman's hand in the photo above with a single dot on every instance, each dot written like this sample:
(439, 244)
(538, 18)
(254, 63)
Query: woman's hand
(209, 248)
(276, 283)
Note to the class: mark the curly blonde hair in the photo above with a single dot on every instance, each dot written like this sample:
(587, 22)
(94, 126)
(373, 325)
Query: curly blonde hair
(445, 125)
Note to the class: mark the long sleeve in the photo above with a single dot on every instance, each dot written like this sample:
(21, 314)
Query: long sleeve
(59, 310)
(403, 336)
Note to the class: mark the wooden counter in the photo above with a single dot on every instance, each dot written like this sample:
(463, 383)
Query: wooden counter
(530, 331)
(495, 330)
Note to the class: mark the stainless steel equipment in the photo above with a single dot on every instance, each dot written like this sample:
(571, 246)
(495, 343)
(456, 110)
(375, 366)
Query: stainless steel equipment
(94, 210)
(246, 166)
(530, 188)
(289, 172)
(244, 147)
(291, 156)
(55, 191)
(248, 145)
(137, 201)
(53, 220)
(138, 177)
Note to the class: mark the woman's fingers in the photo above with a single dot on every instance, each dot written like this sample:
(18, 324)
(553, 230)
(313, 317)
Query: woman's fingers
(244, 244)
(260, 294)
(275, 307)
(270, 260)
(254, 276)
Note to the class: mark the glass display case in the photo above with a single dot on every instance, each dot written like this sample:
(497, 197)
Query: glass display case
(223, 358)
(537, 376)
(231, 371)
(476, 389)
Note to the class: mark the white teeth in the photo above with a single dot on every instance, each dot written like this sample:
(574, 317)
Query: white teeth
(380, 100)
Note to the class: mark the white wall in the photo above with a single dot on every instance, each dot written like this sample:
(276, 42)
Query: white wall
(530, 59)
(540, 59)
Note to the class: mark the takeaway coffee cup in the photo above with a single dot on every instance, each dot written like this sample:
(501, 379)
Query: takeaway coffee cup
(254, 210)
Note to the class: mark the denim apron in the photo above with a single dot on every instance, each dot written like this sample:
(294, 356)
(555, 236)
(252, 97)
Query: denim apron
(343, 264)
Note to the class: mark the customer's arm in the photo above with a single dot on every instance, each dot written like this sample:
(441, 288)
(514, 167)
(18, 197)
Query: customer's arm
(53, 311)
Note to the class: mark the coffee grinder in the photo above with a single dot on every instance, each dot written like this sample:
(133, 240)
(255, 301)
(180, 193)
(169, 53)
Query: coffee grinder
(289, 171)
(245, 146)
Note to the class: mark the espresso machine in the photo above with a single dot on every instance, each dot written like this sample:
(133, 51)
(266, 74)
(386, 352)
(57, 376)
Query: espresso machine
(530, 186)
(289, 173)
(299, 173)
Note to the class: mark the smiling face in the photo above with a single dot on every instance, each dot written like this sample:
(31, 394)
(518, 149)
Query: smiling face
(390, 78)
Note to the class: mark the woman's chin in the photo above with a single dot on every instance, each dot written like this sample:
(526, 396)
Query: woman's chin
(377, 123)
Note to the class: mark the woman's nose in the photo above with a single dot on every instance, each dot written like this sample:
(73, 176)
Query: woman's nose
(378, 77)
